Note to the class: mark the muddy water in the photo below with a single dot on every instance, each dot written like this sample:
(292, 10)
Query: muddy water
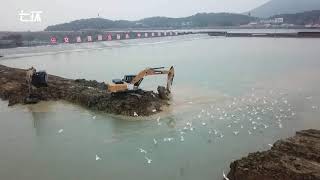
(232, 96)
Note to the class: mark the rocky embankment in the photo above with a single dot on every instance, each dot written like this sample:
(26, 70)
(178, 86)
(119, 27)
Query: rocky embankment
(296, 158)
(90, 94)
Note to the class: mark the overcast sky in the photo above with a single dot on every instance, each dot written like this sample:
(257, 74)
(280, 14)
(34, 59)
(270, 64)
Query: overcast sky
(60, 11)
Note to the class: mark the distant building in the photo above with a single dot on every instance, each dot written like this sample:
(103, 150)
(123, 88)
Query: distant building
(188, 23)
(272, 21)
(253, 23)
(278, 20)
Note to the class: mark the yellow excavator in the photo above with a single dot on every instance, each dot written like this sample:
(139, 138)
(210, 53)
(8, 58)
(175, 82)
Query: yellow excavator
(132, 82)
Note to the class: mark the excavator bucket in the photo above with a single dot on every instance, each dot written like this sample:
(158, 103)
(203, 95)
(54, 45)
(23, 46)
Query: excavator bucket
(170, 78)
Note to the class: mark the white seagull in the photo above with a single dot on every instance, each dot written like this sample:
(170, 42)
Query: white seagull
(142, 150)
(235, 132)
(97, 158)
(60, 131)
(155, 141)
(148, 160)
(215, 132)
(310, 97)
(167, 139)
(181, 138)
(158, 120)
(221, 135)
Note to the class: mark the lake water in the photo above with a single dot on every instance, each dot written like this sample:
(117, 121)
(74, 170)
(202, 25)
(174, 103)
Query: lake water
(231, 96)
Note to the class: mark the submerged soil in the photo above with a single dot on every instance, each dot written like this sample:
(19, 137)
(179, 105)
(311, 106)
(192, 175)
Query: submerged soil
(295, 158)
(90, 94)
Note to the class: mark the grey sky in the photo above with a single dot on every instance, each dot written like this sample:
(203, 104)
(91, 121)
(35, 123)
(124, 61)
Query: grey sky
(60, 11)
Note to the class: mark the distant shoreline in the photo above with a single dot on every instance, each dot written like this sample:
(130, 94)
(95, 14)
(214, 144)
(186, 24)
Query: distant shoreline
(40, 38)
(297, 27)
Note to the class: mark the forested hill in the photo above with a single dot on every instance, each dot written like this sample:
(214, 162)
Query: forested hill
(276, 7)
(198, 20)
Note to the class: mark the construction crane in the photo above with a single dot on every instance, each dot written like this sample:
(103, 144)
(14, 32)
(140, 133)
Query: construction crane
(132, 82)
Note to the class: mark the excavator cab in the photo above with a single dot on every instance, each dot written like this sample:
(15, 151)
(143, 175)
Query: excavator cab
(128, 78)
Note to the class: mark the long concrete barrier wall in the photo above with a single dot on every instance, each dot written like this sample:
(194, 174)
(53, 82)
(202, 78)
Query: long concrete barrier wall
(279, 35)
(112, 36)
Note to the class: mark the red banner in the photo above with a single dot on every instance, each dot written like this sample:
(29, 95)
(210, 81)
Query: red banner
(66, 40)
(53, 40)
(109, 37)
(78, 39)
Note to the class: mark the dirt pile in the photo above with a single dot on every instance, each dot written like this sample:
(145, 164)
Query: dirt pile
(295, 158)
(90, 94)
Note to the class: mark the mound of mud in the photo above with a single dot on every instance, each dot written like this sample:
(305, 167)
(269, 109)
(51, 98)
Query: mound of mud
(90, 94)
(295, 158)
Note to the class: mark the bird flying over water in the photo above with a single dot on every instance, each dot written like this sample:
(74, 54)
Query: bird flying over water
(155, 141)
(142, 150)
(148, 160)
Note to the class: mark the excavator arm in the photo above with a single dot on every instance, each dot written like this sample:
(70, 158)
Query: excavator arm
(119, 85)
(154, 71)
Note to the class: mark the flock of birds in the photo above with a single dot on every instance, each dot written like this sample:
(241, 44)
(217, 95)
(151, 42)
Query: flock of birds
(248, 115)
(245, 115)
